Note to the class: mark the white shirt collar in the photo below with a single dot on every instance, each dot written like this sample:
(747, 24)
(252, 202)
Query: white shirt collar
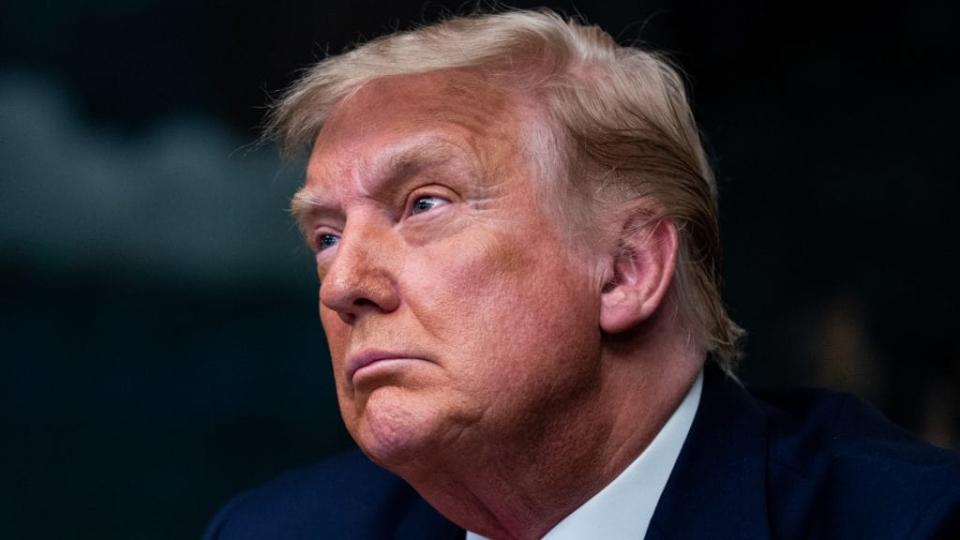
(623, 509)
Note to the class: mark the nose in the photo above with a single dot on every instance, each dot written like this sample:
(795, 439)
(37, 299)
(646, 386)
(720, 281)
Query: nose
(361, 278)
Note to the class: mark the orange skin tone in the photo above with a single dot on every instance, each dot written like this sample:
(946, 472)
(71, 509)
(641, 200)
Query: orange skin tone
(519, 376)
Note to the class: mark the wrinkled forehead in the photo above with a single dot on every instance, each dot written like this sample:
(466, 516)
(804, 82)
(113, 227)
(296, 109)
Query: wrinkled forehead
(395, 125)
(460, 104)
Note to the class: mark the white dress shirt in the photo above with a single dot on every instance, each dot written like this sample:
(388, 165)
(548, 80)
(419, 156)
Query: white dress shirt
(623, 508)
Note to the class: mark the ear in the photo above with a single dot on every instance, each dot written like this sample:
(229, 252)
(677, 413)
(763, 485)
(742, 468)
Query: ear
(642, 271)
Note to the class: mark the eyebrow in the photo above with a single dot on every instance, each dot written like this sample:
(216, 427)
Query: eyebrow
(394, 166)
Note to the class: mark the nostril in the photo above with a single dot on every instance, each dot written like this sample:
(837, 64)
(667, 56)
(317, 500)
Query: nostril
(356, 282)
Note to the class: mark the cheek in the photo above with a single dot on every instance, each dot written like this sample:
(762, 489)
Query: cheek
(452, 288)
(504, 299)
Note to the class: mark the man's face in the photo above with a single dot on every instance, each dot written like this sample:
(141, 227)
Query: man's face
(453, 308)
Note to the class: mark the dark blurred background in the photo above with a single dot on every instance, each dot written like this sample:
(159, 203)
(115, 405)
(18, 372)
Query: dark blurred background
(158, 332)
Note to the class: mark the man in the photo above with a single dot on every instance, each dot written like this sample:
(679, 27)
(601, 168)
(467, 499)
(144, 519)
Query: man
(515, 231)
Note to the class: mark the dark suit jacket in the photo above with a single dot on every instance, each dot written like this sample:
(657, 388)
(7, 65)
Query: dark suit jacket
(796, 465)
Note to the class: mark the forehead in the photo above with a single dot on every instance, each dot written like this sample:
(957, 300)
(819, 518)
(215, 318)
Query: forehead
(456, 110)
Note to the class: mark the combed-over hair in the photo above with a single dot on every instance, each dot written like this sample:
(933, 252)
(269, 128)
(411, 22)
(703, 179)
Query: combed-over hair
(626, 131)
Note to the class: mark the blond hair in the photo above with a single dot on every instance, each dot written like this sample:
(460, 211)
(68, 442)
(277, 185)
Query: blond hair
(626, 132)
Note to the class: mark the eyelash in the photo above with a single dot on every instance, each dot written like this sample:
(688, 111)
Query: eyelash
(321, 246)
(323, 238)
(413, 206)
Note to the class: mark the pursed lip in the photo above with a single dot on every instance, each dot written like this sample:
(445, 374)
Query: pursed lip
(367, 357)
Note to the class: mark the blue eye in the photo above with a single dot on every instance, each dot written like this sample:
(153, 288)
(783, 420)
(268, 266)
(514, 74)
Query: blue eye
(325, 241)
(425, 204)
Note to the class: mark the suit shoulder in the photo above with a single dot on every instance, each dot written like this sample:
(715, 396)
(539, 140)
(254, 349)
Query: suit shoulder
(809, 427)
(345, 496)
(836, 461)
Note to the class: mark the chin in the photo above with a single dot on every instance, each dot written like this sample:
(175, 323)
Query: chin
(394, 428)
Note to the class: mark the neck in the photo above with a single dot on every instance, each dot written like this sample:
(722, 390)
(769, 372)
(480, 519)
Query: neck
(521, 486)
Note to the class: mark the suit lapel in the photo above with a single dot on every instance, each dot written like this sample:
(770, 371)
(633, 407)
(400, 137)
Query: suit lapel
(717, 487)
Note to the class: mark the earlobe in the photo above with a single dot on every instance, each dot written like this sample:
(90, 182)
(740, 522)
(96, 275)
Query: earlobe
(642, 271)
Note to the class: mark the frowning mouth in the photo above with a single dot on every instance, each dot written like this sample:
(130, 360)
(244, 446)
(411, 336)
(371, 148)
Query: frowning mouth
(370, 358)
